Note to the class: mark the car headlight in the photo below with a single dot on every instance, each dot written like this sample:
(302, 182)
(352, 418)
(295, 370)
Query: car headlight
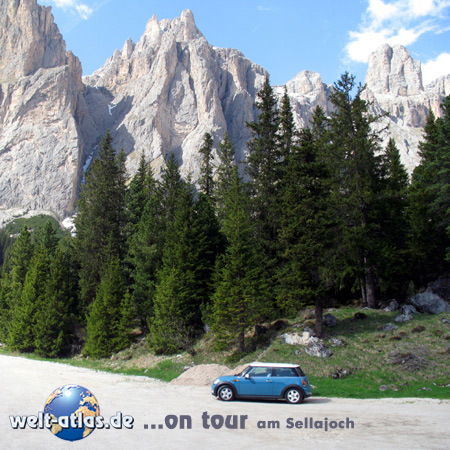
(216, 381)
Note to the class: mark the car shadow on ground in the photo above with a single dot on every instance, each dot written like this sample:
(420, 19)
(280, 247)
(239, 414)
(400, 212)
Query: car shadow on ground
(310, 400)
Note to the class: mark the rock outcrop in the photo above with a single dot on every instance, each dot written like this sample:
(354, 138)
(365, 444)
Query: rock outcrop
(40, 84)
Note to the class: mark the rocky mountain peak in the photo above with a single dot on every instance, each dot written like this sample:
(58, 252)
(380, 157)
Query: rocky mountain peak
(162, 94)
(29, 39)
(393, 71)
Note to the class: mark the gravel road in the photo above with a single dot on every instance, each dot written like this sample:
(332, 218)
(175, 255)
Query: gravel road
(378, 424)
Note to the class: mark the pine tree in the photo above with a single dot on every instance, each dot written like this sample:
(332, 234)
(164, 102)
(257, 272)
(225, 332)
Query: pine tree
(100, 217)
(147, 244)
(287, 131)
(206, 171)
(357, 171)
(141, 188)
(126, 322)
(393, 259)
(21, 332)
(428, 199)
(22, 327)
(224, 173)
(104, 324)
(177, 298)
(307, 229)
(241, 297)
(57, 311)
(13, 278)
(184, 280)
(264, 168)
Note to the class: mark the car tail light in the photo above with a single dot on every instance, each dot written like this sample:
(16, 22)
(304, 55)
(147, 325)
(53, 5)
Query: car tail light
(303, 382)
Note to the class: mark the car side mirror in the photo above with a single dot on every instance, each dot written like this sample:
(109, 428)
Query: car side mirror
(247, 376)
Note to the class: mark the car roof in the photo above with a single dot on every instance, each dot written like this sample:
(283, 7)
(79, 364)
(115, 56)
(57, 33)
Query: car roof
(264, 364)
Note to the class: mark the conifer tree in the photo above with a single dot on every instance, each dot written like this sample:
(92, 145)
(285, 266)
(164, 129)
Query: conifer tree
(307, 229)
(57, 311)
(210, 243)
(393, 266)
(287, 131)
(428, 199)
(104, 323)
(354, 148)
(100, 216)
(241, 297)
(22, 327)
(224, 173)
(206, 171)
(141, 188)
(177, 298)
(184, 280)
(147, 244)
(264, 168)
(13, 278)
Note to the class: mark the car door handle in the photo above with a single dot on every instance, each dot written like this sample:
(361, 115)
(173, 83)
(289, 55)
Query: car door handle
(268, 381)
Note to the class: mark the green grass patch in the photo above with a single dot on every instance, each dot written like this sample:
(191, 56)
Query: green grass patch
(367, 385)
(405, 361)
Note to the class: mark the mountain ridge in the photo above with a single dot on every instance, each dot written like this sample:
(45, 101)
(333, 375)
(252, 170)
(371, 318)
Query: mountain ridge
(157, 96)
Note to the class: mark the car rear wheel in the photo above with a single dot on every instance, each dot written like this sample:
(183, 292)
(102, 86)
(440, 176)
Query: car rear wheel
(294, 396)
(226, 393)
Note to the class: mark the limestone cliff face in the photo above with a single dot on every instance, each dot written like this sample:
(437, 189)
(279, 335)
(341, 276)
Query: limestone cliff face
(40, 84)
(395, 87)
(157, 96)
(162, 94)
(306, 91)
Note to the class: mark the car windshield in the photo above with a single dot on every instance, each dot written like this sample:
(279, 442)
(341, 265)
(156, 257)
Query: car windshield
(243, 372)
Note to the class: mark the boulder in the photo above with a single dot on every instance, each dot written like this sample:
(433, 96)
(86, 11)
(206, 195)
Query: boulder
(408, 310)
(389, 327)
(393, 306)
(296, 338)
(316, 347)
(329, 320)
(404, 318)
(427, 302)
(337, 342)
(440, 287)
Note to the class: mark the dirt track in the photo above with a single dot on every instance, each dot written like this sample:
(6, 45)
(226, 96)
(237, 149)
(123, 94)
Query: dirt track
(378, 424)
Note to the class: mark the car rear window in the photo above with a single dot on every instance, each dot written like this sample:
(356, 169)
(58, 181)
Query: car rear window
(284, 372)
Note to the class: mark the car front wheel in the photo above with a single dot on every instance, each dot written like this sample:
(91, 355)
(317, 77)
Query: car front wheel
(294, 396)
(226, 393)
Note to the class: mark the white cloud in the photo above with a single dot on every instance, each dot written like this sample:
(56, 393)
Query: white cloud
(395, 22)
(265, 8)
(436, 68)
(75, 7)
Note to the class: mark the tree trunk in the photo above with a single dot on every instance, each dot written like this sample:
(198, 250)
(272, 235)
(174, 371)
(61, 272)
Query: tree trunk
(242, 341)
(319, 318)
(370, 289)
(363, 291)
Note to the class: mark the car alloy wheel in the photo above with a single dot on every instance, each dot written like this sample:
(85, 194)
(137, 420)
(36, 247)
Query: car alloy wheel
(294, 396)
(226, 393)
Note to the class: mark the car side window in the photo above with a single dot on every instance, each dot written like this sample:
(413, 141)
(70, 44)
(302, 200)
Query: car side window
(260, 372)
(284, 372)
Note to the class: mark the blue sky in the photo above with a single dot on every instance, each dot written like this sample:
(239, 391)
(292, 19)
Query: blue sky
(284, 36)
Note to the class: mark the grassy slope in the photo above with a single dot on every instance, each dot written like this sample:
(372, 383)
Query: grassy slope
(367, 356)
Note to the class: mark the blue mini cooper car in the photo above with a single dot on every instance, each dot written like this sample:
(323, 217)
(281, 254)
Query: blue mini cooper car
(264, 381)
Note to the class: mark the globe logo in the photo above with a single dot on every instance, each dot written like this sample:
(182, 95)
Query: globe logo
(73, 410)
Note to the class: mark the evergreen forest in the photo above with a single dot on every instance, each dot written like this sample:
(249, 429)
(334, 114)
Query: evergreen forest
(315, 217)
